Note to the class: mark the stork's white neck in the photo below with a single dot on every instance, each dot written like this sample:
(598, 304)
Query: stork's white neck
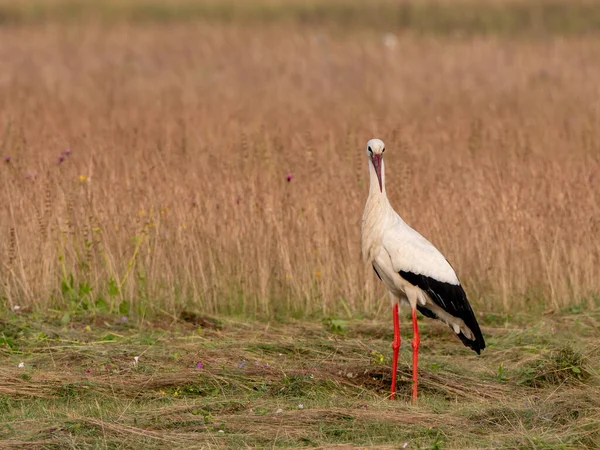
(377, 202)
(376, 210)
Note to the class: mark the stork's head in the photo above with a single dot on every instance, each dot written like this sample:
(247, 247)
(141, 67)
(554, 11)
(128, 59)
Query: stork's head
(375, 149)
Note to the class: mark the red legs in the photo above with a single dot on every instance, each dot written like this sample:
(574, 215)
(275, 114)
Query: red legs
(415, 345)
(395, 347)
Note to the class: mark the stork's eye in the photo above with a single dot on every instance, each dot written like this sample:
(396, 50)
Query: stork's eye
(370, 151)
(383, 151)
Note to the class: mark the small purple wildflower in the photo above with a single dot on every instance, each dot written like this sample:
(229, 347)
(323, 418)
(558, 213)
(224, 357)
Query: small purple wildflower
(7, 159)
(123, 318)
(108, 367)
(242, 364)
(199, 365)
(31, 175)
(88, 371)
(289, 177)
(61, 159)
(67, 152)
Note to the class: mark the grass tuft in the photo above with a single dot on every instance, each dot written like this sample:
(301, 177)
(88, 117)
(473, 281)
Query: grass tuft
(563, 366)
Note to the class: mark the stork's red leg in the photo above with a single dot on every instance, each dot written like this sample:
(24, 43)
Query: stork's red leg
(395, 347)
(415, 345)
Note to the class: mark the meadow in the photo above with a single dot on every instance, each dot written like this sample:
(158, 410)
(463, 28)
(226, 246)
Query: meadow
(184, 182)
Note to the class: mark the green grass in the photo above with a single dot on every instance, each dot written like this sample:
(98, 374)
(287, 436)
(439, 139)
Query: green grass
(296, 384)
(467, 16)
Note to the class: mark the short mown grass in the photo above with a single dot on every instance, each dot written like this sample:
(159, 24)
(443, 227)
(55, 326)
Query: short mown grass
(231, 384)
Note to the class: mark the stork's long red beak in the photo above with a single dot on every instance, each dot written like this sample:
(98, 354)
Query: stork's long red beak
(377, 164)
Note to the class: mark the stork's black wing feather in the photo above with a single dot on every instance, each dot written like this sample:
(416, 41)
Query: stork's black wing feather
(452, 299)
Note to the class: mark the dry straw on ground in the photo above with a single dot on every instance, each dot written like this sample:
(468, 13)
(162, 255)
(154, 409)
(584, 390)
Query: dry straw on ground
(251, 385)
(176, 190)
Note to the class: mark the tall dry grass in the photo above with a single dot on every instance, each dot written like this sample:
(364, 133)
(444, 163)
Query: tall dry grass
(175, 192)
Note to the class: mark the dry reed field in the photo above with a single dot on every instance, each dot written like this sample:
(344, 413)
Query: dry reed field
(175, 191)
(163, 164)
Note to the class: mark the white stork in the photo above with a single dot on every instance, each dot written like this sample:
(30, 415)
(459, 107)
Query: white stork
(412, 269)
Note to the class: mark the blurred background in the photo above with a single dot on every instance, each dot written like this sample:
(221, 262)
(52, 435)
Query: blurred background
(210, 155)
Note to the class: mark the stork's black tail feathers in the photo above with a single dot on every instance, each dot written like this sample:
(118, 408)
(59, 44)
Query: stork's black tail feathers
(452, 299)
